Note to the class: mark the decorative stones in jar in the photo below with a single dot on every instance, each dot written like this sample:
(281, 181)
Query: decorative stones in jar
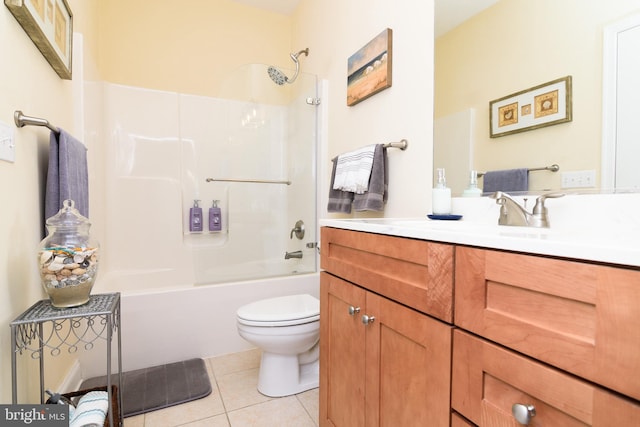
(68, 258)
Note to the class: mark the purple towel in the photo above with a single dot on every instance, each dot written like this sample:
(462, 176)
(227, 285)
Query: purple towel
(67, 177)
(508, 180)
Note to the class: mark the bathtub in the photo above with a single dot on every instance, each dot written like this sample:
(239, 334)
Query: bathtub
(214, 268)
(170, 325)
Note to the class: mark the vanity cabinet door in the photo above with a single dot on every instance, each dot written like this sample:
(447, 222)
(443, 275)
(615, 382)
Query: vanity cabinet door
(487, 380)
(408, 359)
(381, 363)
(580, 317)
(342, 344)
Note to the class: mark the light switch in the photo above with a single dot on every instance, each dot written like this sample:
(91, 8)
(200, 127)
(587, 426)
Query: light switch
(7, 145)
(579, 179)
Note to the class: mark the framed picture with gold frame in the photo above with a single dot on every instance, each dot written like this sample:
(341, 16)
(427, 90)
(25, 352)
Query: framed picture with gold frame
(543, 105)
(49, 24)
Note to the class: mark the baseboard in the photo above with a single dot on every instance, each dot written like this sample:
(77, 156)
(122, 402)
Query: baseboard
(72, 380)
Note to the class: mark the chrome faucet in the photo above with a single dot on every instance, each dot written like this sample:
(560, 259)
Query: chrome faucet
(511, 213)
(296, 254)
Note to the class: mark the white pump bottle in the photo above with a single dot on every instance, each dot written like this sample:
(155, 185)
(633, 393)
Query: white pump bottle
(441, 196)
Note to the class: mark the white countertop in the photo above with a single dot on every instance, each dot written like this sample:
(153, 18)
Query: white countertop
(603, 228)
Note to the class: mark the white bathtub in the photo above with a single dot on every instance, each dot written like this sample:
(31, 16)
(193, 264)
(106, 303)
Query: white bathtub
(166, 326)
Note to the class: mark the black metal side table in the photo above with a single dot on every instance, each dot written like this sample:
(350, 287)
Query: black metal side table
(71, 328)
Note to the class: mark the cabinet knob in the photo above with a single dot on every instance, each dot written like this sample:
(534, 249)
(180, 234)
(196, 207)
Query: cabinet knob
(367, 320)
(523, 413)
(353, 310)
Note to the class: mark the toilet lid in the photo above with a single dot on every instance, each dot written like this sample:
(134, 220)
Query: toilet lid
(291, 309)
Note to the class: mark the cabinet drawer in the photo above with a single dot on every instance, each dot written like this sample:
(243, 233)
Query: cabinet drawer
(416, 273)
(577, 316)
(489, 379)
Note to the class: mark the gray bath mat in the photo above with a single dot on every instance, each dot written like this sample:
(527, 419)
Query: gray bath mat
(149, 389)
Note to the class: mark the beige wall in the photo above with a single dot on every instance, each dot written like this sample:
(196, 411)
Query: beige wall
(187, 46)
(517, 44)
(334, 30)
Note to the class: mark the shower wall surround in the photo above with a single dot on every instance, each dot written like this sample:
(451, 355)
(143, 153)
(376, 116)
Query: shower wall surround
(159, 149)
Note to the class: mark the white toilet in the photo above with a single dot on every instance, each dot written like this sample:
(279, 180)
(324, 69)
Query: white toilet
(287, 329)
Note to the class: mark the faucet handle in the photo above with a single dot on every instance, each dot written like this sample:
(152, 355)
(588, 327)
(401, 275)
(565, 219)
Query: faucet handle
(298, 230)
(539, 207)
(500, 197)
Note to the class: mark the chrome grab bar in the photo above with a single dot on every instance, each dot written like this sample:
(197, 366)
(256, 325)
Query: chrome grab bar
(259, 181)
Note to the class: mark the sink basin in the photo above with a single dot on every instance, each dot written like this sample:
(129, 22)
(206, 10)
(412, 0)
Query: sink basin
(479, 228)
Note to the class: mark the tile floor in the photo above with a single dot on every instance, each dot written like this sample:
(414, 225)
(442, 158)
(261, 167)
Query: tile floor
(235, 402)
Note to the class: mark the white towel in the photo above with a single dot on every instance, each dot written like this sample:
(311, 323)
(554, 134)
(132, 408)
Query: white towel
(91, 410)
(354, 170)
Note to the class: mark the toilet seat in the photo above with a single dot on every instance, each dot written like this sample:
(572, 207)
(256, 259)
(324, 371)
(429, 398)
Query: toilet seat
(281, 311)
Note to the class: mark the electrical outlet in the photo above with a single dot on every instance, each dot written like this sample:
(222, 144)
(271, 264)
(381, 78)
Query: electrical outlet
(579, 179)
(7, 146)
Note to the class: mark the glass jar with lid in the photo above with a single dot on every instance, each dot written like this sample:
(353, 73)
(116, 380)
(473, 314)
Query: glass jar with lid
(68, 258)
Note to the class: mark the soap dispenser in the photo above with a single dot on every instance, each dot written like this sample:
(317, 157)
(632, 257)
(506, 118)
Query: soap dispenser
(195, 217)
(441, 195)
(215, 217)
(472, 190)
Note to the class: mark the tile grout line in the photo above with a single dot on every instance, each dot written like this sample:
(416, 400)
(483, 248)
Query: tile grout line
(215, 379)
(306, 409)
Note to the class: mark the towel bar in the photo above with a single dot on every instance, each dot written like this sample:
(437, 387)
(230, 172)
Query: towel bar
(21, 120)
(552, 168)
(403, 144)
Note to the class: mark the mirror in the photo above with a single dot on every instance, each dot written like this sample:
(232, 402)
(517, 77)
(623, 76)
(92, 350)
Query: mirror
(508, 46)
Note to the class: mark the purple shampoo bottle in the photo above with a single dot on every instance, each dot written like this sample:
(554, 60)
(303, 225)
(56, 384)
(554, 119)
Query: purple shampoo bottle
(195, 217)
(215, 217)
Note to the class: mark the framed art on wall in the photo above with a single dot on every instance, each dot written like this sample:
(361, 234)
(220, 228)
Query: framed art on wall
(49, 24)
(543, 105)
(369, 69)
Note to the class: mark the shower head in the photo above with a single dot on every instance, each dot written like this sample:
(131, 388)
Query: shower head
(279, 77)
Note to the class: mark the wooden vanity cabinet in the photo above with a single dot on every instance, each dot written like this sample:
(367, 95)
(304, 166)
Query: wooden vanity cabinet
(489, 379)
(416, 273)
(459, 421)
(580, 317)
(560, 335)
(382, 363)
(342, 351)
